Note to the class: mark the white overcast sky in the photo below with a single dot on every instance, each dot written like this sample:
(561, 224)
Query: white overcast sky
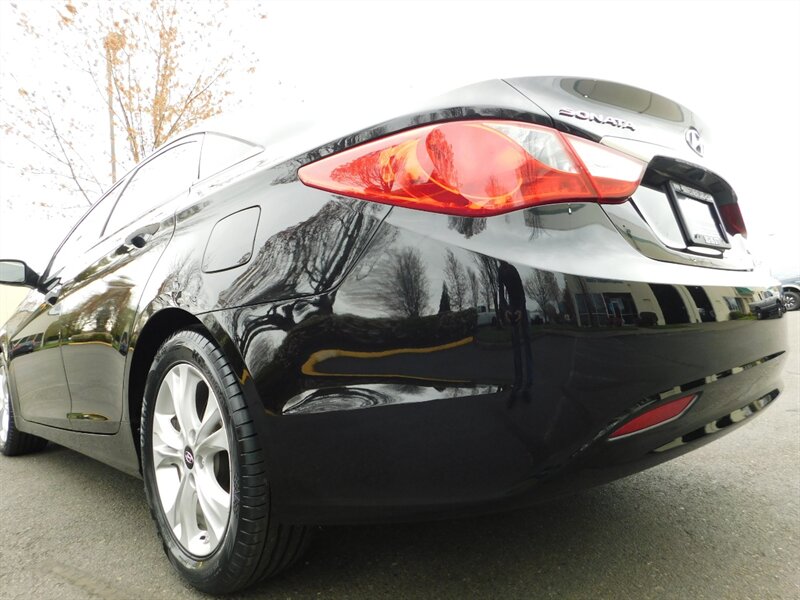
(736, 64)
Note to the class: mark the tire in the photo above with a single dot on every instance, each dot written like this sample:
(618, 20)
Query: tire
(791, 300)
(13, 442)
(759, 314)
(209, 496)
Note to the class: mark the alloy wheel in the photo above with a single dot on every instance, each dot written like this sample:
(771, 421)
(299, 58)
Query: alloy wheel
(790, 302)
(191, 458)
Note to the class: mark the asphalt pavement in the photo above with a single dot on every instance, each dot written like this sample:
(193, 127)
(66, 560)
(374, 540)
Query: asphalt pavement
(722, 522)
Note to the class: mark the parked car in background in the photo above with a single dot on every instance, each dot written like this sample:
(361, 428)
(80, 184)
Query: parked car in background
(279, 327)
(791, 293)
(770, 306)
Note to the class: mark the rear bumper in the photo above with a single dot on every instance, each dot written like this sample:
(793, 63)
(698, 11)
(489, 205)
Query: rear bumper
(472, 454)
(370, 413)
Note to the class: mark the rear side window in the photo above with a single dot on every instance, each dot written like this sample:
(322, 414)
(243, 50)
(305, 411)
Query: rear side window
(221, 152)
(156, 182)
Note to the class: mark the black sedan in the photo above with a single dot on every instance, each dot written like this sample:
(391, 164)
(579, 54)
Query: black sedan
(513, 291)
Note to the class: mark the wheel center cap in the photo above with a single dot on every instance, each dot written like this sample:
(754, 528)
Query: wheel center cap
(188, 457)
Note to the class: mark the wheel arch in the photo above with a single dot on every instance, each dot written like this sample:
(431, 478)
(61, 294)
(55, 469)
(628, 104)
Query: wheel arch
(160, 326)
(156, 330)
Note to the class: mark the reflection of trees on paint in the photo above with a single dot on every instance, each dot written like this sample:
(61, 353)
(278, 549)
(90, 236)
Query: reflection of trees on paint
(487, 275)
(295, 272)
(309, 258)
(404, 286)
(455, 277)
(102, 316)
(444, 300)
(474, 288)
(534, 221)
(467, 226)
(543, 287)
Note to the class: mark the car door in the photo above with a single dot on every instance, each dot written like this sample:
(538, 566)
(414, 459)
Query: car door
(36, 365)
(98, 299)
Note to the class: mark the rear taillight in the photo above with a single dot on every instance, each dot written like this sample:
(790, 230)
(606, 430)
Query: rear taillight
(655, 417)
(477, 168)
(732, 219)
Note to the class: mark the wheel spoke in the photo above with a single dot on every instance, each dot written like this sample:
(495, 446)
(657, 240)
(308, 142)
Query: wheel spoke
(165, 455)
(211, 420)
(182, 382)
(165, 433)
(214, 503)
(209, 446)
(184, 512)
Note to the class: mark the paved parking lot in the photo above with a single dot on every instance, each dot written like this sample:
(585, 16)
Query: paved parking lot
(721, 522)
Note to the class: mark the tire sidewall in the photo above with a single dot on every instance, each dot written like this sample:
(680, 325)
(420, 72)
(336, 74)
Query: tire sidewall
(9, 433)
(188, 347)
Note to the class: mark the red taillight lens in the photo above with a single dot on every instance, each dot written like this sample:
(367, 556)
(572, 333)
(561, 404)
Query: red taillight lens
(656, 416)
(477, 168)
(732, 219)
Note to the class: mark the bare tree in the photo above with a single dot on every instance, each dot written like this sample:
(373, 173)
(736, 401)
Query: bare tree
(456, 278)
(542, 287)
(149, 67)
(35, 122)
(406, 290)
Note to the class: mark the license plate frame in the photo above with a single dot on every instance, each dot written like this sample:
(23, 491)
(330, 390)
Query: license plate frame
(698, 217)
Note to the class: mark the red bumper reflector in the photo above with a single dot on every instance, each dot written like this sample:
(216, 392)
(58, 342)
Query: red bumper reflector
(656, 416)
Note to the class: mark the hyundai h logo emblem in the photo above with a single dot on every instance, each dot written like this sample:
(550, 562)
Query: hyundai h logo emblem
(188, 457)
(695, 141)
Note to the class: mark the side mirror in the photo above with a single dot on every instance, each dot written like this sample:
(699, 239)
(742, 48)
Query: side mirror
(16, 272)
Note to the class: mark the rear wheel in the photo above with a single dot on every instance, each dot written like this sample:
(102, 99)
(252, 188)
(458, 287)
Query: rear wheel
(204, 472)
(13, 442)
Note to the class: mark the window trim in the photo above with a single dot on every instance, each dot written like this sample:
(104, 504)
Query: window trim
(258, 149)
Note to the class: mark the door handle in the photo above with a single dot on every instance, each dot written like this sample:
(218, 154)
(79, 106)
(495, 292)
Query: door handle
(140, 237)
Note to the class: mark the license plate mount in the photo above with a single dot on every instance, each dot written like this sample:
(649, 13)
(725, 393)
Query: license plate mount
(698, 217)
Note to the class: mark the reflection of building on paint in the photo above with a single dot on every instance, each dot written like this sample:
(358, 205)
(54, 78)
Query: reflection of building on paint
(616, 303)
(607, 302)
(730, 299)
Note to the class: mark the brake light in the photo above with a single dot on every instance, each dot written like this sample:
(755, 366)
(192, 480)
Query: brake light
(732, 218)
(477, 168)
(656, 416)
